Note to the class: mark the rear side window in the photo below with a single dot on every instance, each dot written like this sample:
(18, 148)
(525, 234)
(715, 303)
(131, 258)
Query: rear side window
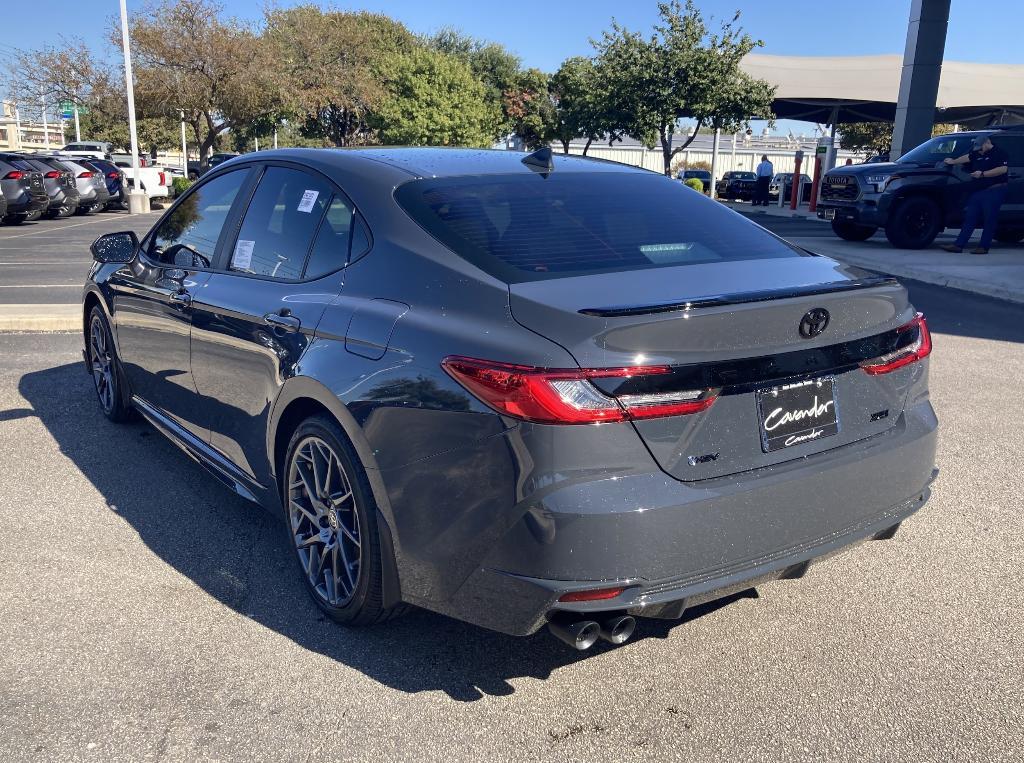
(279, 225)
(1013, 145)
(188, 237)
(525, 227)
(331, 247)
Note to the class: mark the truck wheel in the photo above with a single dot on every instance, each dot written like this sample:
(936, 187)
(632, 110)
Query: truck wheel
(1013, 236)
(914, 223)
(852, 231)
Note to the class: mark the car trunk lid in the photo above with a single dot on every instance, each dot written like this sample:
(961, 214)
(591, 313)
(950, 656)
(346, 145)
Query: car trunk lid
(744, 341)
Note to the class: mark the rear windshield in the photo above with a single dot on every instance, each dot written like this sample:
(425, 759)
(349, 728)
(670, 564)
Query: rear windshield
(744, 176)
(525, 227)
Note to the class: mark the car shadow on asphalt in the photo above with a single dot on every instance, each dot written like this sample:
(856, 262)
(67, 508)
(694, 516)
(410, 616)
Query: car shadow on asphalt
(237, 554)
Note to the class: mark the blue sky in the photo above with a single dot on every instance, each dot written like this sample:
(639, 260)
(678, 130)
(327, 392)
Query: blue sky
(544, 33)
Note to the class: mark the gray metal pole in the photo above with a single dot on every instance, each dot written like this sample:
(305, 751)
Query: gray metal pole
(184, 145)
(137, 199)
(17, 127)
(919, 82)
(46, 124)
(78, 129)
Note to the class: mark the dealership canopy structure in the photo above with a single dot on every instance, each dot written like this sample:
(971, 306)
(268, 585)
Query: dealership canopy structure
(866, 89)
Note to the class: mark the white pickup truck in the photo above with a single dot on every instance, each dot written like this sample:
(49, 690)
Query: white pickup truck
(155, 181)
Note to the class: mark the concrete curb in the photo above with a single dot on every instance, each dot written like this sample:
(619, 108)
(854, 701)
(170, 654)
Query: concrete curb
(48, 319)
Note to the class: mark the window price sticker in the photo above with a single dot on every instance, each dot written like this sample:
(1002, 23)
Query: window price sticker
(308, 200)
(242, 257)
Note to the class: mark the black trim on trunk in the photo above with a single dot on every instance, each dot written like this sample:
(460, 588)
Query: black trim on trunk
(741, 298)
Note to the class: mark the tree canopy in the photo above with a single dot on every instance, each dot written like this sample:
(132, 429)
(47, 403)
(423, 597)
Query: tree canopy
(347, 78)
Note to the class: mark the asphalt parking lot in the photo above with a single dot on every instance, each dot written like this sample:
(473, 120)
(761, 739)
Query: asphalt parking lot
(148, 614)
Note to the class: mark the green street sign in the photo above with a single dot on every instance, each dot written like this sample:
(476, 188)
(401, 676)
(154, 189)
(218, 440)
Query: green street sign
(68, 108)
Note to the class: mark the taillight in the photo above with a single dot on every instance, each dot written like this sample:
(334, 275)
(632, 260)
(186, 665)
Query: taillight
(113, 175)
(594, 594)
(919, 346)
(14, 175)
(52, 175)
(85, 175)
(566, 396)
(163, 179)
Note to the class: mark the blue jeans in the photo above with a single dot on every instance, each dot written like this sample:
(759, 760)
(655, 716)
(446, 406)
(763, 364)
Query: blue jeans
(982, 204)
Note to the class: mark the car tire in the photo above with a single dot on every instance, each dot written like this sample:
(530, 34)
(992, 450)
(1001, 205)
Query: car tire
(15, 219)
(914, 223)
(105, 367)
(84, 211)
(330, 535)
(193, 176)
(1011, 236)
(851, 231)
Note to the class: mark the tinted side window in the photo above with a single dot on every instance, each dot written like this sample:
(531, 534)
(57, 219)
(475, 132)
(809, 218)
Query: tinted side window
(331, 247)
(280, 223)
(188, 237)
(1012, 145)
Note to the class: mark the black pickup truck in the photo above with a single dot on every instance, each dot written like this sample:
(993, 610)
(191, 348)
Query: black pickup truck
(914, 198)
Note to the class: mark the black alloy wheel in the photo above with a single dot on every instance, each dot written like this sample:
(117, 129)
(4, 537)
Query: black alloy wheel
(914, 223)
(331, 524)
(105, 367)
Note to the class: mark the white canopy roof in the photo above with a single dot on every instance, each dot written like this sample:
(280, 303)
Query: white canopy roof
(866, 88)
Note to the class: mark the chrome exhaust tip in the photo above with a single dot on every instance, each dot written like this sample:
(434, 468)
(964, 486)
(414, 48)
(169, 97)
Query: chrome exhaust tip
(618, 629)
(580, 635)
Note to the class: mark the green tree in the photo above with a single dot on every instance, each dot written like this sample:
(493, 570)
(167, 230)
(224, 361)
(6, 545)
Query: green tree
(433, 99)
(679, 71)
(327, 64)
(497, 68)
(530, 109)
(216, 69)
(580, 110)
(875, 137)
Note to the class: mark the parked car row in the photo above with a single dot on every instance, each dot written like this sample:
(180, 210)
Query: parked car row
(54, 186)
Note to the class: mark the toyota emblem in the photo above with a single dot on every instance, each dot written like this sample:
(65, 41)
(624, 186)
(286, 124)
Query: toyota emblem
(814, 322)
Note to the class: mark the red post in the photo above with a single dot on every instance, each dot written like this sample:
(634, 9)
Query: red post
(815, 184)
(795, 191)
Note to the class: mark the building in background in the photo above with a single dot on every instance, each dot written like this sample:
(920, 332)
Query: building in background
(27, 133)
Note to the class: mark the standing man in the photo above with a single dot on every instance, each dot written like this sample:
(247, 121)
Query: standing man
(765, 171)
(988, 166)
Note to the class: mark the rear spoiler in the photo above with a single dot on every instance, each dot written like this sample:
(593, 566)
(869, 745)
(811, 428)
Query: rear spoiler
(741, 297)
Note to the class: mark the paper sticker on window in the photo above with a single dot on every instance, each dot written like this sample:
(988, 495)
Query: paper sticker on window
(308, 200)
(242, 258)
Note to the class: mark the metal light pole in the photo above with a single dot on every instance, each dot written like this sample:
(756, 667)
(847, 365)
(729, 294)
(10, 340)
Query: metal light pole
(184, 145)
(78, 130)
(17, 127)
(138, 201)
(46, 124)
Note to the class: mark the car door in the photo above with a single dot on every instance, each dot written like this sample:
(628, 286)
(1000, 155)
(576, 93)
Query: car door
(1012, 211)
(153, 295)
(258, 312)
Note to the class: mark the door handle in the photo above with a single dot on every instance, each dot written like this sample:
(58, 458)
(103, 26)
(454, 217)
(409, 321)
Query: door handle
(285, 322)
(181, 298)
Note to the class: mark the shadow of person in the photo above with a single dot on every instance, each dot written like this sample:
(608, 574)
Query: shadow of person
(238, 554)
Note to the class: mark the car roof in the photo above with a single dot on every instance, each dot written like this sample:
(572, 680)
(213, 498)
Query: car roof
(434, 162)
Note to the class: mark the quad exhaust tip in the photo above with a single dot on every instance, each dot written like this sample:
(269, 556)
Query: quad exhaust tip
(583, 634)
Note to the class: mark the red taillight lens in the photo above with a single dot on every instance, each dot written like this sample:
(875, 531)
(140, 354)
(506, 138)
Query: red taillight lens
(919, 347)
(113, 175)
(52, 175)
(85, 175)
(597, 594)
(14, 175)
(566, 396)
(163, 179)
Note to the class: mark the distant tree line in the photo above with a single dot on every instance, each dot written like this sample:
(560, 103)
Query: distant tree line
(349, 78)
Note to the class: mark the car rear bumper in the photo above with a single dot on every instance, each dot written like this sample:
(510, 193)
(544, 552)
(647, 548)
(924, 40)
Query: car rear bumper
(64, 198)
(27, 204)
(670, 544)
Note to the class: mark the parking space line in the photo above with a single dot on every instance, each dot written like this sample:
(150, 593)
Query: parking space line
(41, 286)
(64, 227)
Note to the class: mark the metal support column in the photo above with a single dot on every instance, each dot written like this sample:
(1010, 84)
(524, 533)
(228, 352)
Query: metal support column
(919, 82)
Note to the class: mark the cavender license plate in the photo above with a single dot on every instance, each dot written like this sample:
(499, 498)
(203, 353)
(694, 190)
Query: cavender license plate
(791, 414)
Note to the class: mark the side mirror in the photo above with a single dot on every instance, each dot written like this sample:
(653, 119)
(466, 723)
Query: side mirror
(115, 247)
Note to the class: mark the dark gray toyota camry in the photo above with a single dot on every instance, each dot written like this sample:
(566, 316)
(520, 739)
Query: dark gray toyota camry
(515, 389)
